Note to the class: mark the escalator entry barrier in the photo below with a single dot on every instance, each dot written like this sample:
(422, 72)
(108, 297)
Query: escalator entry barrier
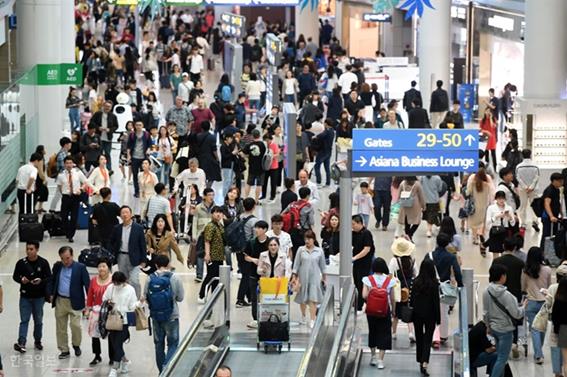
(273, 314)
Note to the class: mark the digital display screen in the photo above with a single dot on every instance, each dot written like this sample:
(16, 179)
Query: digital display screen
(233, 24)
(376, 17)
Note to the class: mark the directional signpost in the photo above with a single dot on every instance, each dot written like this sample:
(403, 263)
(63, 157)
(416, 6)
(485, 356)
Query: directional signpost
(416, 151)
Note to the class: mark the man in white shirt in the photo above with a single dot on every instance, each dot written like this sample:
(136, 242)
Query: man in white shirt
(284, 237)
(184, 88)
(527, 174)
(70, 182)
(196, 65)
(158, 204)
(305, 182)
(346, 80)
(192, 175)
(27, 174)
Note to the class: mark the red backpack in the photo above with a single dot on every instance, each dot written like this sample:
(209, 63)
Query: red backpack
(292, 215)
(377, 304)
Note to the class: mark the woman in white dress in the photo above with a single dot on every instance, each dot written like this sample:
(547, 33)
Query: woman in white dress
(309, 275)
(99, 178)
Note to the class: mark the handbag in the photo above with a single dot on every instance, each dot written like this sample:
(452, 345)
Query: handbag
(515, 321)
(405, 292)
(141, 319)
(114, 320)
(540, 320)
(448, 293)
(92, 327)
(406, 314)
(274, 329)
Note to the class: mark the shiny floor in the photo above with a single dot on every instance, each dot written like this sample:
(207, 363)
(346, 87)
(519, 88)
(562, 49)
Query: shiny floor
(140, 349)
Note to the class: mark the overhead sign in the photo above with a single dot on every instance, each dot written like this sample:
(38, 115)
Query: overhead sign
(376, 17)
(274, 49)
(414, 151)
(59, 74)
(264, 3)
(233, 25)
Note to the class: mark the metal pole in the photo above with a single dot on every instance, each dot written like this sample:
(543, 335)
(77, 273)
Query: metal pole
(470, 44)
(224, 277)
(345, 188)
(468, 283)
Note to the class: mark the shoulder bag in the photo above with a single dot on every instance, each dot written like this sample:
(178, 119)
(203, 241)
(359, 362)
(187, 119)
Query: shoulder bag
(406, 197)
(448, 293)
(515, 321)
(406, 311)
(115, 320)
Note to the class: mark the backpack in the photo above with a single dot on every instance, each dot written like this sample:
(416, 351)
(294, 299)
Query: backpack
(234, 234)
(267, 159)
(105, 309)
(515, 196)
(292, 216)
(160, 297)
(377, 304)
(52, 166)
(226, 93)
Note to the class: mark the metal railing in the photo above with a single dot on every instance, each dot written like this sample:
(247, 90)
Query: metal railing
(345, 348)
(206, 342)
(316, 356)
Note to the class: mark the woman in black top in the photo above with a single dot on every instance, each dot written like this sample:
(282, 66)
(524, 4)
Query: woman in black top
(229, 158)
(330, 237)
(426, 311)
(366, 94)
(335, 105)
(559, 319)
(232, 207)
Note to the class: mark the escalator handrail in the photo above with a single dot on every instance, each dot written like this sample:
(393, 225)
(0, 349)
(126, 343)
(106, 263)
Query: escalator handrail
(328, 299)
(188, 338)
(348, 303)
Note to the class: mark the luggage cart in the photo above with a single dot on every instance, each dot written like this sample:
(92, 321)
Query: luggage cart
(273, 314)
(183, 228)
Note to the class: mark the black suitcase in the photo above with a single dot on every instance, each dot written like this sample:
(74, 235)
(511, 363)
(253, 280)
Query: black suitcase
(29, 228)
(210, 64)
(93, 236)
(53, 223)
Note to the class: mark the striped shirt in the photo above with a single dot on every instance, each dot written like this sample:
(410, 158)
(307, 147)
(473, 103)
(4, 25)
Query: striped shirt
(157, 205)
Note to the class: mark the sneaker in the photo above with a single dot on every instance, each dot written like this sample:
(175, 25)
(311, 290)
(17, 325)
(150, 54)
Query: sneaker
(239, 304)
(70, 240)
(201, 301)
(539, 361)
(38, 346)
(384, 228)
(373, 360)
(208, 324)
(394, 336)
(311, 324)
(113, 372)
(64, 355)
(252, 325)
(428, 234)
(536, 227)
(20, 348)
(124, 367)
(380, 364)
(77, 351)
(515, 352)
(97, 359)
(198, 279)
(303, 321)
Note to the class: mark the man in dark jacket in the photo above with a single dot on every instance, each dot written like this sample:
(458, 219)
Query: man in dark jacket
(106, 124)
(481, 351)
(417, 116)
(306, 82)
(137, 147)
(439, 105)
(445, 264)
(410, 96)
(91, 147)
(325, 140)
(353, 104)
(310, 112)
(67, 292)
(33, 274)
(454, 118)
(132, 254)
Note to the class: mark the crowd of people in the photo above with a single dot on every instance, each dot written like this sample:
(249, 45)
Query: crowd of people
(169, 154)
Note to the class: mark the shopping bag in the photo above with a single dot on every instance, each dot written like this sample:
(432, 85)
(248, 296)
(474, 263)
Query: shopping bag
(274, 329)
(540, 320)
(92, 326)
(141, 318)
(549, 252)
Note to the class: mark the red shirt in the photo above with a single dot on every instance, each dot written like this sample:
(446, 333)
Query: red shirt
(96, 291)
(201, 115)
(489, 128)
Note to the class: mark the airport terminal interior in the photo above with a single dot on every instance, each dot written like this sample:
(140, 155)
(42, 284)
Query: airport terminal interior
(306, 188)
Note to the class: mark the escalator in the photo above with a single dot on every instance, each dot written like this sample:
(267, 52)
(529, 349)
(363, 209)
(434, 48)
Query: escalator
(403, 364)
(210, 343)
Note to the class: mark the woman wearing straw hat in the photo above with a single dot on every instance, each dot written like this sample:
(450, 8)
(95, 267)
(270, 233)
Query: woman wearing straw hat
(402, 265)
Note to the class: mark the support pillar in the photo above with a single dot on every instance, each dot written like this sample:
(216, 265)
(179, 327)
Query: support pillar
(307, 23)
(545, 41)
(345, 215)
(434, 48)
(47, 36)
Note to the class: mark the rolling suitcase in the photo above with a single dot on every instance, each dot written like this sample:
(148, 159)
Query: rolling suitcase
(53, 223)
(93, 236)
(84, 216)
(29, 227)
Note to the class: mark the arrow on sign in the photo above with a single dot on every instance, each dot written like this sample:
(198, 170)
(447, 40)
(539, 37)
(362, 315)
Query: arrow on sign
(470, 139)
(362, 161)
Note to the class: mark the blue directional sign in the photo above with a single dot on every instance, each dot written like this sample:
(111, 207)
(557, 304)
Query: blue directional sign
(414, 151)
(414, 139)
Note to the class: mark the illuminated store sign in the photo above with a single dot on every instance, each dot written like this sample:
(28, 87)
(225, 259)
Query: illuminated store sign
(376, 17)
(273, 49)
(233, 24)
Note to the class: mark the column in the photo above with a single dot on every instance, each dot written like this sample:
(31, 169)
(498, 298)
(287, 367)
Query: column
(307, 22)
(46, 35)
(434, 48)
(339, 20)
(545, 54)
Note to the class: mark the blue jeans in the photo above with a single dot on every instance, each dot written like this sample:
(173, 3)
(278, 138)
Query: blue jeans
(163, 330)
(254, 104)
(290, 98)
(365, 219)
(31, 307)
(75, 119)
(163, 173)
(326, 161)
(136, 166)
(537, 336)
(227, 177)
(485, 359)
(556, 360)
(503, 348)
(199, 268)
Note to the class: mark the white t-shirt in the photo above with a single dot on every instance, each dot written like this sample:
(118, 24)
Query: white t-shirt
(26, 172)
(284, 238)
(196, 64)
(346, 80)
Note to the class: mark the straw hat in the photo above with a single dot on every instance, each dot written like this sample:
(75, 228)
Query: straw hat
(402, 247)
